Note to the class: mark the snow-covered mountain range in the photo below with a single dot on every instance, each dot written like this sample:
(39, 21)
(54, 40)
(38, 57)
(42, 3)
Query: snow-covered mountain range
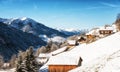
(70, 31)
(31, 26)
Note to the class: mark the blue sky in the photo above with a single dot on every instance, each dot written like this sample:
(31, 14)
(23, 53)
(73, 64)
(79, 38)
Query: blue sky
(77, 14)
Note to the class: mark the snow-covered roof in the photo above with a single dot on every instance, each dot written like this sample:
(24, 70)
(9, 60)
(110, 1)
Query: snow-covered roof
(44, 55)
(106, 28)
(42, 60)
(71, 42)
(64, 59)
(93, 32)
(58, 51)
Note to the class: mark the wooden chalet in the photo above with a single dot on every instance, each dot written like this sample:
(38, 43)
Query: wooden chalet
(105, 31)
(63, 64)
(100, 32)
(63, 61)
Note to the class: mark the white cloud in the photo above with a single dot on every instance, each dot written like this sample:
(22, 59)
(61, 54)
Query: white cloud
(104, 5)
(94, 7)
(109, 4)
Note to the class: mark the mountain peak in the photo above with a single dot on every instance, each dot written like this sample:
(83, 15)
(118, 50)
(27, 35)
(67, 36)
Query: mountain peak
(23, 18)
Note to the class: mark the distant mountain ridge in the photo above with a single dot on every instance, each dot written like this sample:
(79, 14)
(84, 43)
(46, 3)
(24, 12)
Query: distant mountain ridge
(31, 26)
(12, 40)
(70, 31)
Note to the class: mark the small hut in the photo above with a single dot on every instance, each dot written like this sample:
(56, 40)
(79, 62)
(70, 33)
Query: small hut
(72, 43)
(81, 39)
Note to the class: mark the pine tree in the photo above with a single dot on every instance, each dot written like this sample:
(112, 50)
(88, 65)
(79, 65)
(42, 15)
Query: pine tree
(30, 61)
(27, 62)
(19, 63)
(54, 47)
(41, 50)
(48, 46)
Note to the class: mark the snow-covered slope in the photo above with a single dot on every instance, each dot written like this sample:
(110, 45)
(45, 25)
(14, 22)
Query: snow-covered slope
(89, 52)
(101, 47)
(97, 54)
(106, 63)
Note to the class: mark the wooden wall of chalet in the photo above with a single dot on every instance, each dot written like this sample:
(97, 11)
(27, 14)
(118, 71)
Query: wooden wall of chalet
(106, 32)
(90, 36)
(61, 68)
